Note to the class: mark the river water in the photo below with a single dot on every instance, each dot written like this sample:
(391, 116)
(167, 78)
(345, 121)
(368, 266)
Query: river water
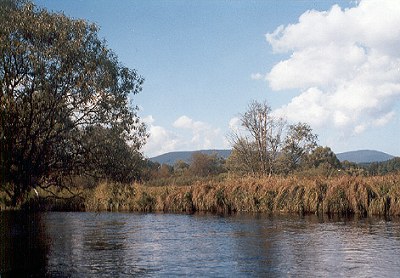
(62, 244)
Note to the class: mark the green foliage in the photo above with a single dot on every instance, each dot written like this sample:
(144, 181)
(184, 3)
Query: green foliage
(391, 166)
(353, 169)
(383, 168)
(58, 83)
(299, 142)
(322, 161)
(109, 156)
(202, 167)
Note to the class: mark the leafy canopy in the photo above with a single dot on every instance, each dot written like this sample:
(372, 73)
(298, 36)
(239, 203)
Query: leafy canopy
(58, 83)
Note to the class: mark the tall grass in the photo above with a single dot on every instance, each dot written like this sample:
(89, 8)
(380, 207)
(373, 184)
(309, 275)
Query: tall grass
(344, 195)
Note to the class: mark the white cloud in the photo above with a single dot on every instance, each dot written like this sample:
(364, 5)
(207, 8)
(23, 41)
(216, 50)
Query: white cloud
(359, 129)
(203, 135)
(234, 124)
(185, 134)
(316, 66)
(384, 119)
(311, 103)
(148, 120)
(161, 140)
(345, 64)
(257, 76)
(188, 123)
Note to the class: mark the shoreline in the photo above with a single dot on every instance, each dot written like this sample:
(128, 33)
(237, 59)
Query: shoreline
(345, 196)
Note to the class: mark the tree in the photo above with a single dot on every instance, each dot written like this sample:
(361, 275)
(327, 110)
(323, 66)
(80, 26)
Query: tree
(149, 170)
(204, 165)
(262, 138)
(324, 160)
(180, 167)
(59, 82)
(109, 156)
(244, 158)
(299, 142)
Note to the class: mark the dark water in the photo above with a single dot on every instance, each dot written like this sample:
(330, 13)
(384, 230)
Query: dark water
(133, 245)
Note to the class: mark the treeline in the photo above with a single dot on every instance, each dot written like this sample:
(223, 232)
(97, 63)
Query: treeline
(391, 166)
(321, 163)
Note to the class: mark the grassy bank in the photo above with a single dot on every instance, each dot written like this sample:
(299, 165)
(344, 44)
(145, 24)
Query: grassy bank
(344, 195)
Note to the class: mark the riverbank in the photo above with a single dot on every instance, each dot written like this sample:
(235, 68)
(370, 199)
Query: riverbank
(364, 196)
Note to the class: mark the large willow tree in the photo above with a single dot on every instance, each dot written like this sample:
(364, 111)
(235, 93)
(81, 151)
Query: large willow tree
(59, 87)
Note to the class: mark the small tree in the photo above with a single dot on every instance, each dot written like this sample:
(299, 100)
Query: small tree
(180, 167)
(244, 158)
(204, 165)
(262, 138)
(323, 160)
(300, 141)
(165, 171)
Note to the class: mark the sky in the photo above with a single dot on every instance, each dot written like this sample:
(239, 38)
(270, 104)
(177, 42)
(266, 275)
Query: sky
(332, 64)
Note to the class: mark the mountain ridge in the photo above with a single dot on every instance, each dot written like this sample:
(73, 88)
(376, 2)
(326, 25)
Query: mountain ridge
(358, 156)
(364, 156)
(171, 158)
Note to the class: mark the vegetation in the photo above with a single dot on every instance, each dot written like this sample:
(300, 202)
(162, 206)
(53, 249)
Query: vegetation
(268, 145)
(382, 168)
(256, 149)
(63, 102)
(342, 195)
(71, 140)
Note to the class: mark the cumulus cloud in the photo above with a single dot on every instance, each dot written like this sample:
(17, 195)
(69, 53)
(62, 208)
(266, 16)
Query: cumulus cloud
(188, 123)
(203, 135)
(345, 64)
(185, 134)
(161, 140)
(313, 100)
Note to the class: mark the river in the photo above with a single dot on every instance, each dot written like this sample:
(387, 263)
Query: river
(72, 244)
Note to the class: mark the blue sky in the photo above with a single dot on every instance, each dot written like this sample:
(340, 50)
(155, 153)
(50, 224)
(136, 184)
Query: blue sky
(332, 64)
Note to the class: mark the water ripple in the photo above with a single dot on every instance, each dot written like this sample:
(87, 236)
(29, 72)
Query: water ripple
(158, 245)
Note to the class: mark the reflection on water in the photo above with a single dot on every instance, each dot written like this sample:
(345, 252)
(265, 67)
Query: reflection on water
(23, 245)
(117, 244)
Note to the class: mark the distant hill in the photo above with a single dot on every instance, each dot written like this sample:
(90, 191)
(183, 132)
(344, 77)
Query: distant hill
(361, 156)
(364, 156)
(172, 157)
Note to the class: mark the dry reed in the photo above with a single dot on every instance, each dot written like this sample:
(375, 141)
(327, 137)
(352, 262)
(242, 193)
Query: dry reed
(343, 195)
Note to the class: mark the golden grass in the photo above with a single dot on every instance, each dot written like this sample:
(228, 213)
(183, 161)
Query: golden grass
(343, 195)
(340, 195)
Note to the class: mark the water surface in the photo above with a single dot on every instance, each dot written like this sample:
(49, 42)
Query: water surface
(60, 244)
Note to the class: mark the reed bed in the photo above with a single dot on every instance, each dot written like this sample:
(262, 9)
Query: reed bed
(344, 195)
